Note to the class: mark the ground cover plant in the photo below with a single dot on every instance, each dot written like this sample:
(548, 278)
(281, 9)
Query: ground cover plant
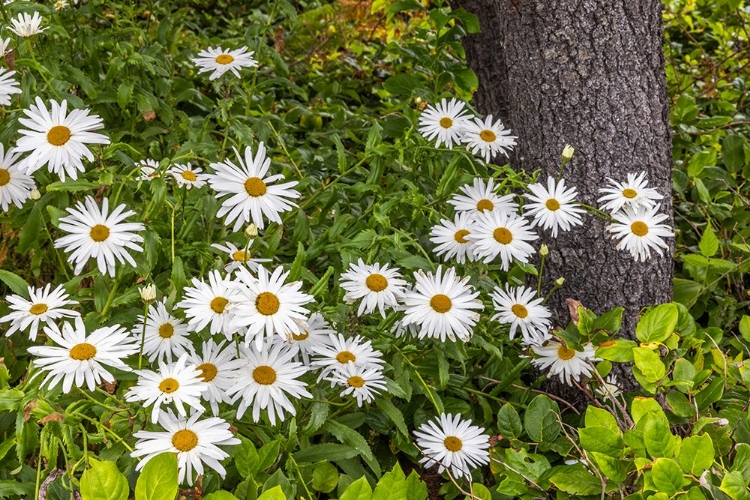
(269, 250)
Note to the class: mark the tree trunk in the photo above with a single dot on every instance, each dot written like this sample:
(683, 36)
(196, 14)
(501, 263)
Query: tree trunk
(589, 73)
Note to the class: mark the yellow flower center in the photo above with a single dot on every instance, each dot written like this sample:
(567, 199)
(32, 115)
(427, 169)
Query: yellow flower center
(629, 193)
(264, 375)
(241, 256)
(166, 331)
(519, 311)
(185, 440)
(487, 135)
(453, 443)
(99, 233)
(639, 228)
(208, 371)
(224, 59)
(460, 236)
(553, 204)
(355, 381)
(300, 336)
(169, 385)
(345, 357)
(502, 235)
(218, 304)
(485, 204)
(376, 282)
(441, 303)
(82, 352)
(255, 187)
(38, 309)
(564, 353)
(446, 122)
(267, 303)
(58, 135)
(4, 177)
(189, 175)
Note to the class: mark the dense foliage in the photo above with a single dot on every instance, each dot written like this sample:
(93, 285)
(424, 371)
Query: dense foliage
(336, 100)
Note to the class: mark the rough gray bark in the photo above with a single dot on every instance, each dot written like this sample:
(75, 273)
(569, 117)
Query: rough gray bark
(589, 73)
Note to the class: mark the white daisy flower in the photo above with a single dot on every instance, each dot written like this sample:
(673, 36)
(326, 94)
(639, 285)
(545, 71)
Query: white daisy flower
(57, 140)
(252, 195)
(378, 287)
(166, 336)
(454, 444)
(639, 230)
(362, 383)
(8, 86)
(269, 306)
(149, 169)
(15, 183)
(341, 352)
(266, 380)
(177, 383)
(42, 307)
(502, 233)
(315, 332)
(220, 61)
(553, 208)
(82, 358)
(487, 138)
(26, 25)
(450, 238)
(480, 197)
(564, 362)
(97, 234)
(188, 176)
(211, 304)
(4, 44)
(633, 193)
(443, 121)
(61, 4)
(609, 389)
(519, 307)
(239, 257)
(196, 442)
(219, 370)
(442, 305)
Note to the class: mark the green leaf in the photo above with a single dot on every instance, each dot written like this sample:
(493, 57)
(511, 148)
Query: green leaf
(267, 454)
(610, 321)
(541, 419)
(742, 460)
(575, 480)
(72, 186)
(658, 324)
(701, 160)
(23, 490)
(667, 475)
(158, 480)
(733, 151)
(32, 229)
(325, 477)
(326, 451)
(469, 20)
(734, 485)
(349, 437)
(710, 394)
(612, 468)
(104, 481)
(686, 292)
(709, 243)
(416, 489)
(14, 282)
(600, 417)
(745, 327)
(480, 491)
(602, 440)
(394, 414)
(246, 458)
(620, 350)
(275, 493)
(401, 84)
(696, 454)
(220, 495)
(358, 490)
(392, 486)
(657, 437)
(649, 363)
(508, 422)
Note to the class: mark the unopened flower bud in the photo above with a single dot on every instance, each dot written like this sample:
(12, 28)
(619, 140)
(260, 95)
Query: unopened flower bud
(722, 422)
(35, 194)
(567, 152)
(544, 250)
(148, 293)
(252, 230)
(559, 281)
